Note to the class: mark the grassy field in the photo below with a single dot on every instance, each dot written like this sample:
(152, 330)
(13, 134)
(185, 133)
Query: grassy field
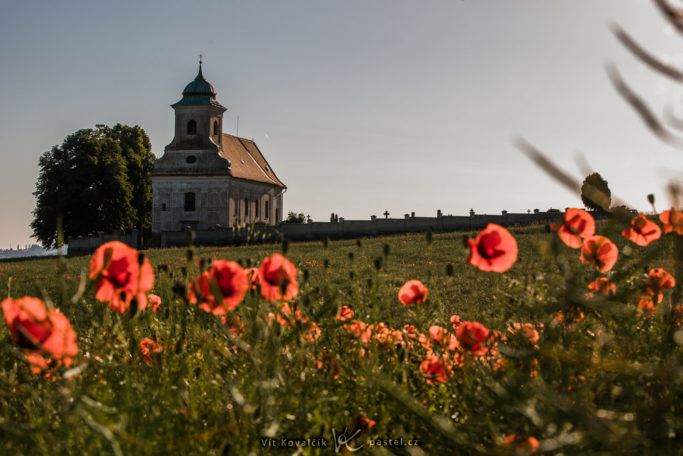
(278, 384)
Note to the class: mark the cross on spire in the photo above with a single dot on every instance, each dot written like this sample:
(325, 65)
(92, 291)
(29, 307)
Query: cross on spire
(200, 75)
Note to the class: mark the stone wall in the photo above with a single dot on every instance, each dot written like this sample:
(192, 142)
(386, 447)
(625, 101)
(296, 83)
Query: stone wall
(83, 245)
(341, 229)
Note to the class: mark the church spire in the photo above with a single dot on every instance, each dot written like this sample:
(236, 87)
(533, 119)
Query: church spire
(200, 77)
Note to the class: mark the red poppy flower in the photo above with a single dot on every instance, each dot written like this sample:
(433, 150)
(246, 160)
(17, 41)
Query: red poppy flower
(356, 327)
(362, 422)
(434, 369)
(345, 313)
(601, 251)
(521, 444)
(472, 336)
(527, 329)
(494, 249)
(642, 231)
(220, 289)
(577, 224)
(148, 348)
(412, 292)
(657, 281)
(40, 332)
(672, 220)
(455, 321)
(601, 285)
(647, 305)
(277, 277)
(155, 301)
(120, 277)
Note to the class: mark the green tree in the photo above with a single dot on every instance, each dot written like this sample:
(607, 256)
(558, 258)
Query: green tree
(293, 217)
(97, 180)
(595, 193)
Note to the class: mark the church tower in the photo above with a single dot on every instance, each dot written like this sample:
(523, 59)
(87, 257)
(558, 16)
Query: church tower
(198, 117)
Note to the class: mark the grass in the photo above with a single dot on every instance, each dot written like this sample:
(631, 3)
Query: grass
(608, 384)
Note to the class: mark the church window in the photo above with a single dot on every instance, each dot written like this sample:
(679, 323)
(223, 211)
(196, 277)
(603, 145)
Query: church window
(215, 128)
(267, 210)
(192, 127)
(256, 213)
(246, 207)
(191, 159)
(163, 206)
(189, 202)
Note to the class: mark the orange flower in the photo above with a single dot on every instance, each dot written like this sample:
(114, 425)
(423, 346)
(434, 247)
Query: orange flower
(577, 224)
(434, 369)
(647, 305)
(148, 348)
(527, 329)
(601, 251)
(221, 289)
(345, 313)
(672, 220)
(521, 444)
(412, 292)
(277, 277)
(356, 327)
(155, 301)
(657, 281)
(494, 249)
(472, 336)
(642, 231)
(601, 285)
(120, 277)
(40, 332)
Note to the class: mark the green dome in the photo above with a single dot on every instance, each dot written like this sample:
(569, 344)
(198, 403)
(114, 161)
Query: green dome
(198, 92)
(199, 86)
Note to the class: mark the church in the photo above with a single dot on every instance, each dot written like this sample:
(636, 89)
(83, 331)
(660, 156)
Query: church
(207, 179)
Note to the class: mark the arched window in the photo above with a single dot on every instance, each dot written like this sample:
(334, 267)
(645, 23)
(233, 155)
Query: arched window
(192, 127)
(163, 206)
(215, 128)
(189, 202)
(267, 210)
(246, 207)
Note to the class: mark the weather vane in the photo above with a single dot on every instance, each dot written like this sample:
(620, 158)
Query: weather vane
(200, 60)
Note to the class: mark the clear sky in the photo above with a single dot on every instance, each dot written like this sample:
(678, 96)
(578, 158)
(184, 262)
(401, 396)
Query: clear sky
(360, 106)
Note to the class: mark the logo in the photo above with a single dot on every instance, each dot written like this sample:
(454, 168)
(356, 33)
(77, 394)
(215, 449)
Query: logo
(343, 440)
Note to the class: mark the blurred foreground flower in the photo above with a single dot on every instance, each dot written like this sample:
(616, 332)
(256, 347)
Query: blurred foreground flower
(642, 231)
(601, 285)
(220, 289)
(657, 281)
(412, 292)
(672, 220)
(434, 370)
(40, 332)
(277, 277)
(148, 348)
(120, 276)
(494, 249)
(578, 224)
(601, 251)
(472, 336)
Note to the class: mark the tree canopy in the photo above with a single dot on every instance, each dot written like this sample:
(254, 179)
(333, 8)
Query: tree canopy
(595, 193)
(97, 180)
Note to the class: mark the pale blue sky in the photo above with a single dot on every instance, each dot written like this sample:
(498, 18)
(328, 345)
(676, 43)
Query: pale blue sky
(360, 106)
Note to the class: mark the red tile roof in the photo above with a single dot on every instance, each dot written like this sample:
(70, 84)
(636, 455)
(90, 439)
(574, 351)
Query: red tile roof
(247, 161)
